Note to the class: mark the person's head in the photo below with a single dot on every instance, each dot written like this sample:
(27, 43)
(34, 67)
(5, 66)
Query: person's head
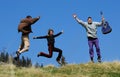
(89, 20)
(28, 16)
(50, 32)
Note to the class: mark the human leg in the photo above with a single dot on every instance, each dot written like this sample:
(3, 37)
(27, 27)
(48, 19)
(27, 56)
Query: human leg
(59, 53)
(26, 44)
(50, 49)
(98, 50)
(91, 51)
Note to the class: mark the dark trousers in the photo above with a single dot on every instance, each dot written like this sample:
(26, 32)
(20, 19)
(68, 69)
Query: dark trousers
(95, 42)
(51, 48)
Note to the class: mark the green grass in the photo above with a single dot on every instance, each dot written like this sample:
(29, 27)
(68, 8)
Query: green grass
(106, 69)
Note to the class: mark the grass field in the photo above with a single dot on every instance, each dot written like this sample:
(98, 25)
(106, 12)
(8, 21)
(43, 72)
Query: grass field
(106, 69)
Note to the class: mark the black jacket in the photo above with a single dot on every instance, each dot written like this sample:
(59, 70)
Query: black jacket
(50, 39)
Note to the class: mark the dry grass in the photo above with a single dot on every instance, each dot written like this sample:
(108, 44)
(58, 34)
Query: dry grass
(106, 69)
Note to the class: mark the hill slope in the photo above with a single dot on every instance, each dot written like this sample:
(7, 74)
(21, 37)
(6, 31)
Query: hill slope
(105, 69)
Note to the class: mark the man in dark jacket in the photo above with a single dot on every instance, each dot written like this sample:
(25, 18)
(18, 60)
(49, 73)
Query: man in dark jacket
(51, 41)
(25, 28)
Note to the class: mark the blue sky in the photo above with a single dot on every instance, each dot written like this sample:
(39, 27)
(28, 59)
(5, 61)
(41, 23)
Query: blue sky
(57, 14)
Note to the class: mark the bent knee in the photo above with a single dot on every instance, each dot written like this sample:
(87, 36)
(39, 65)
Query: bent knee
(98, 49)
(27, 48)
(50, 56)
(91, 49)
(60, 51)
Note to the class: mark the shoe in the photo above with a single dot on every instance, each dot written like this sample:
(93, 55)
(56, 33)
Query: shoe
(17, 53)
(38, 54)
(92, 60)
(63, 61)
(99, 60)
(59, 62)
(16, 58)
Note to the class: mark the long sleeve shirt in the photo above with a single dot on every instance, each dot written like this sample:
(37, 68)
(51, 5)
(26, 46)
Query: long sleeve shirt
(50, 38)
(91, 29)
(25, 25)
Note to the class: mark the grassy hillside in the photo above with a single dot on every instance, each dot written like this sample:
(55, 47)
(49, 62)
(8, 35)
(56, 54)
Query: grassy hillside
(105, 69)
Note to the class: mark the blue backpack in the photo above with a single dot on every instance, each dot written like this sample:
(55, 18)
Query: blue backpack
(105, 27)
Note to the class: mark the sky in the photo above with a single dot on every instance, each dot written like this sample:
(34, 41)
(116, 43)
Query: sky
(57, 14)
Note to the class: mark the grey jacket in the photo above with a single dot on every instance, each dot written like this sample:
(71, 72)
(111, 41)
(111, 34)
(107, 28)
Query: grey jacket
(91, 29)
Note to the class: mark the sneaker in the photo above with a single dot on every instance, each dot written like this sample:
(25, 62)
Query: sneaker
(17, 53)
(38, 54)
(16, 58)
(92, 60)
(59, 62)
(99, 60)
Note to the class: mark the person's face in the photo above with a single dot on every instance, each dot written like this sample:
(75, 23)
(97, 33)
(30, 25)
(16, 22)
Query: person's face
(89, 20)
(30, 18)
(51, 32)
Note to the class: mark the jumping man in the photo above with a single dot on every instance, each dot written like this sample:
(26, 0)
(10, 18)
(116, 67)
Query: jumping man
(25, 28)
(91, 29)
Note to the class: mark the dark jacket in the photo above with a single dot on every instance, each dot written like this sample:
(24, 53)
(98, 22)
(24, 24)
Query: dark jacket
(50, 39)
(25, 25)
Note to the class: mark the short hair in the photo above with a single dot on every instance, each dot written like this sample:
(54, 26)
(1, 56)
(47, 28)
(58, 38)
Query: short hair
(28, 16)
(89, 18)
(50, 30)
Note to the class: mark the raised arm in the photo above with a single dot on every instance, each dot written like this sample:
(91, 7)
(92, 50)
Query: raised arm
(40, 37)
(100, 23)
(33, 20)
(58, 34)
(78, 20)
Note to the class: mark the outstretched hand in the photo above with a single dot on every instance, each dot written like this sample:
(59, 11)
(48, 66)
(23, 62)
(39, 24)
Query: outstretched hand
(74, 15)
(38, 17)
(103, 19)
(62, 31)
(34, 37)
